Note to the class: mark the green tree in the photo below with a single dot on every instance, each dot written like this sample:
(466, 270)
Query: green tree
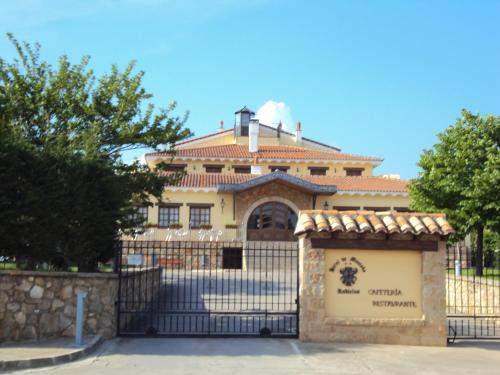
(65, 190)
(460, 176)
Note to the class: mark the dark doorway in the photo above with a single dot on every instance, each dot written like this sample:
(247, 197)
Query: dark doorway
(272, 221)
(232, 258)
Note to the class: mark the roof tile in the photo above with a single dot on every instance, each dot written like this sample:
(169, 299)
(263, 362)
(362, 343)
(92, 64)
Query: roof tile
(369, 221)
(266, 152)
(375, 184)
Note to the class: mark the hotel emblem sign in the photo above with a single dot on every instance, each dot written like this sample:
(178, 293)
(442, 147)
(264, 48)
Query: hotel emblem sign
(348, 268)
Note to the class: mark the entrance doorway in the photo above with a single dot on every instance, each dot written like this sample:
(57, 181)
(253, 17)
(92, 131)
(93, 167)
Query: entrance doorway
(272, 221)
(232, 257)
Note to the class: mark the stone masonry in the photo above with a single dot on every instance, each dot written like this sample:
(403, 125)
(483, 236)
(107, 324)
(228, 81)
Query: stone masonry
(316, 326)
(245, 199)
(42, 305)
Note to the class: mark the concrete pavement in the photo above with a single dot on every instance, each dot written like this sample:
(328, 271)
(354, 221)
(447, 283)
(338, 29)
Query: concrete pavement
(279, 356)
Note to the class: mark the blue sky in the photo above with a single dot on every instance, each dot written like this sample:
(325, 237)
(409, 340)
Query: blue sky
(378, 78)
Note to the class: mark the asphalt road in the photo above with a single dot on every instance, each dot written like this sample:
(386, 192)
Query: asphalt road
(280, 356)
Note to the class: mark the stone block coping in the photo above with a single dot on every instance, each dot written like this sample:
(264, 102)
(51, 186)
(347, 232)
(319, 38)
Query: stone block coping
(84, 275)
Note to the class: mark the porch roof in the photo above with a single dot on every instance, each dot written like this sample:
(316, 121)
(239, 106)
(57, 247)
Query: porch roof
(389, 222)
(278, 176)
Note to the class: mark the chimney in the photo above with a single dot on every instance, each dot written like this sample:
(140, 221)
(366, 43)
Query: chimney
(255, 168)
(253, 135)
(221, 125)
(298, 132)
(278, 129)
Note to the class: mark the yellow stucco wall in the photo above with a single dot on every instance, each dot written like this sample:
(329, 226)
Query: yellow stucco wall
(296, 168)
(386, 284)
(222, 217)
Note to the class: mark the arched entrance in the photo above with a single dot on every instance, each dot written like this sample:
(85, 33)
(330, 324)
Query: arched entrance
(271, 221)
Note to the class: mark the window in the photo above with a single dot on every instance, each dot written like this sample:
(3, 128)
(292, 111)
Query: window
(213, 168)
(402, 209)
(346, 208)
(199, 215)
(354, 171)
(168, 215)
(141, 215)
(244, 130)
(175, 167)
(281, 168)
(376, 209)
(244, 169)
(271, 221)
(318, 171)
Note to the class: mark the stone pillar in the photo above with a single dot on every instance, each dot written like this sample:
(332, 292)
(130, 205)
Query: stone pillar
(414, 315)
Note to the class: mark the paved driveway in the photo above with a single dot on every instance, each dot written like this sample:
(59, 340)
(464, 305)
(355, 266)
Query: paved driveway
(279, 356)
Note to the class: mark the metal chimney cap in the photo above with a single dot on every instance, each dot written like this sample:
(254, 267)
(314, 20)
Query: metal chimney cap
(245, 109)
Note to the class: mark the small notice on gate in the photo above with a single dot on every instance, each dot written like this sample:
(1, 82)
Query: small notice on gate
(134, 260)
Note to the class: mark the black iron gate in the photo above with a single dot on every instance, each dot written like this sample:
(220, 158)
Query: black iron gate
(184, 288)
(472, 300)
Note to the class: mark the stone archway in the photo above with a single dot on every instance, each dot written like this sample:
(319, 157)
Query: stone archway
(259, 202)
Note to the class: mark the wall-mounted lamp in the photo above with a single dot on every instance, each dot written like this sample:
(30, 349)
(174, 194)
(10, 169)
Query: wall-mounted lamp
(222, 204)
(326, 206)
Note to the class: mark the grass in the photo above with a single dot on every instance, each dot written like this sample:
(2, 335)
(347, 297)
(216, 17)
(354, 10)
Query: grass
(488, 272)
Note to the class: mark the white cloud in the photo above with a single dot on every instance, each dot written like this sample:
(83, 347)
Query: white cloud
(272, 112)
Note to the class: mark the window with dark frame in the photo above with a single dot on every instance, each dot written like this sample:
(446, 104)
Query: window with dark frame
(168, 215)
(354, 171)
(402, 209)
(198, 216)
(140, 215)
(281, 168)
(346, 208)
(242, 169)
(213, 168)
(376, 209)
(318, 171)
(175, 167)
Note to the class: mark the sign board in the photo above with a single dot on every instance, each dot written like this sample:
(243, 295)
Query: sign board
(134, 260)
(373, 284)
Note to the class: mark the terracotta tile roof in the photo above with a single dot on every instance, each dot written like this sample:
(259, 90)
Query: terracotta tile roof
(226, 131)
(235, 151)
(375, 184)
(204, 136)
(372, 222)
(361, 183)
(206, 180)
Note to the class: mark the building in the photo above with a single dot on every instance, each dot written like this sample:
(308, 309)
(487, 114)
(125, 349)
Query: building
(249, 183)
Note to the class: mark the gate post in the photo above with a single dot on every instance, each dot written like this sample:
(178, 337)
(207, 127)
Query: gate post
(372, 288)
(118, 261)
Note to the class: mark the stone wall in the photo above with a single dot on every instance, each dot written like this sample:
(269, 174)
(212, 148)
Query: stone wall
(468, 295)
(316, 326)
(245, 199)
(42, 305)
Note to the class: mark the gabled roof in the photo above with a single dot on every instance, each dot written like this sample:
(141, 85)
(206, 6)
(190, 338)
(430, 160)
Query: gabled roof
(266, 152)
(372, 222)
(245, 109)
(227, 131)
(297, 182)
(342, 184)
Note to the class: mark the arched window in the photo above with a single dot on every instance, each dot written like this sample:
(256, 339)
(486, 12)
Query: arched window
(272, 221)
